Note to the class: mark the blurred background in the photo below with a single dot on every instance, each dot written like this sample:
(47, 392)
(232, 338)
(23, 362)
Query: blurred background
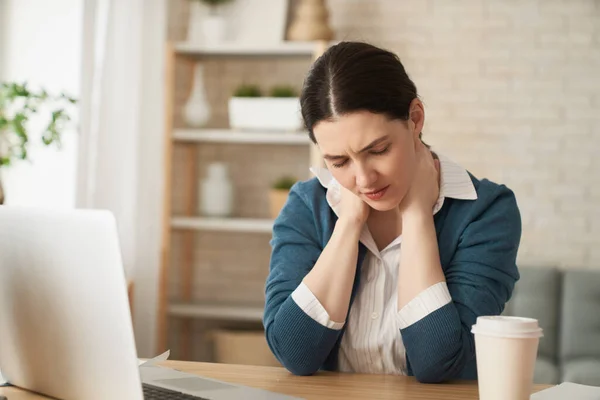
(181, 117)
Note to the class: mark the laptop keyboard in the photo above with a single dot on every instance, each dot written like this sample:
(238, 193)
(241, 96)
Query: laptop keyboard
(157, 393)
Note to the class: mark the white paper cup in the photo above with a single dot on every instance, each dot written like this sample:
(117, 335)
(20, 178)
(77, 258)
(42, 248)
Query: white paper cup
(506, 350)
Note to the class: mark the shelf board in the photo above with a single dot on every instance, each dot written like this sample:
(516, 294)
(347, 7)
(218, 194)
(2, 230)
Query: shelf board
(236, 136)
(223, 224)
(218, 312)
(248, 49)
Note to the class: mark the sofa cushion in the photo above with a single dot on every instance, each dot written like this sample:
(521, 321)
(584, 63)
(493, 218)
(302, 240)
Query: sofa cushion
(546, 372)
(584, 371)
(537, 295)
(580, 328)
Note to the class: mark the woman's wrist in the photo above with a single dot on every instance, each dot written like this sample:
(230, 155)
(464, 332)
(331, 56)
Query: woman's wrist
(416, 216)
(350, 226)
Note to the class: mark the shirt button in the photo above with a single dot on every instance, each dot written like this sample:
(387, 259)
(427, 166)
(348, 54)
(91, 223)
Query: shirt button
(374, 315)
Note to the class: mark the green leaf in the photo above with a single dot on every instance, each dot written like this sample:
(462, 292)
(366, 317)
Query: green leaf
(284, 183)
(25, 103)
(283, 91)
(247, 90)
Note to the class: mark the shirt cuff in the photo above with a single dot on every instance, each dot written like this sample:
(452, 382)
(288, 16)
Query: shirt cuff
(306, 300)
(428, 301)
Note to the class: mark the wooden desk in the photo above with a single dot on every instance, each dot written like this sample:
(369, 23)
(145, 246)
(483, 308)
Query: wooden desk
(320, 386)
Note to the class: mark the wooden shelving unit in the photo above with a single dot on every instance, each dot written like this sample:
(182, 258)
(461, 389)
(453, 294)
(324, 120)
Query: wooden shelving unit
(233, 136)
(245, 225)
(215, 311)
(183, 220)
(236, 49)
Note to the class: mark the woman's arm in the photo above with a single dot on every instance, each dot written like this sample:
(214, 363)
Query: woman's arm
(420, 266)
(297, 339)
(436, 324)
(330, 281)
(438, 307)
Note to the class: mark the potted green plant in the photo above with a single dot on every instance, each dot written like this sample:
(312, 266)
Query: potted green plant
(18, 105)
(279, 111)
(280, 190)
(210, 29)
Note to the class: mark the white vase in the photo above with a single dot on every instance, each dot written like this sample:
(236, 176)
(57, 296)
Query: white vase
(195, 34)
(214, 29)
(196, 112)
(216, 192)
(205, 25)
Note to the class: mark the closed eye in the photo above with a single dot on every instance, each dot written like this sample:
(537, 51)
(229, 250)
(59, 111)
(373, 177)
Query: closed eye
(340, 164)
(378, 153)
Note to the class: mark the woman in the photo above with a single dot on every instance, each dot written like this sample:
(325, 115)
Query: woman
(383, 264)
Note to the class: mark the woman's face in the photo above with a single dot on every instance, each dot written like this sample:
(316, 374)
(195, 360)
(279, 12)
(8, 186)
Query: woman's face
(371, 155)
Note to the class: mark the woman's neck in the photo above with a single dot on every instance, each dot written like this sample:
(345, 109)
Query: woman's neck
(385, 226)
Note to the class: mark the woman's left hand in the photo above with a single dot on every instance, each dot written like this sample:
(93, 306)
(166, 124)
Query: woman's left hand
(425, 188)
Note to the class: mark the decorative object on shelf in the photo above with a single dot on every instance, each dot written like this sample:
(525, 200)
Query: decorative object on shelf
(216, 192)
(197, 110)
(246, 13)
(310, 22)
(280, 111)
(208, 28)
(279, 194)
(18, 104)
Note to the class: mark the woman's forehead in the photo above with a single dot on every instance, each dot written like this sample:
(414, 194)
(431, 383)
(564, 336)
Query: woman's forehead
(354, 130)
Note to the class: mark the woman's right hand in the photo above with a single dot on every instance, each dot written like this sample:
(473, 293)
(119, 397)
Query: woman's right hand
(352, 207)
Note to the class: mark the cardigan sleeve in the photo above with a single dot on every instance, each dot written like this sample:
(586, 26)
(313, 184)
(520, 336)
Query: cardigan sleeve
(308, 302)
(480, 279)
(299, 342)
(428, 301)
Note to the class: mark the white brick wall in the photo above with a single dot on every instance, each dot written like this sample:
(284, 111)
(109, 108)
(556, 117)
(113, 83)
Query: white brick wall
(512, 91)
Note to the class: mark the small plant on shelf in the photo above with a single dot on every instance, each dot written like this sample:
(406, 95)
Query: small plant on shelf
(213, 4)
(278, 110)
(280, 190)
(283, 91)
(284, 183)
(247, 90)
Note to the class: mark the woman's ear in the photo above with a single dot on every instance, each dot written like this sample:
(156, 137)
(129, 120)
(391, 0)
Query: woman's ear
(416, 117)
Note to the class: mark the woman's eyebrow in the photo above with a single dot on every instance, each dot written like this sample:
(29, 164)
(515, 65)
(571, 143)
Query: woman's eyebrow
(374, 143)
(366, 148)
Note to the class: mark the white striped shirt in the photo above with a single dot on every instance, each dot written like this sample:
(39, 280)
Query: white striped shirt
(372, 342)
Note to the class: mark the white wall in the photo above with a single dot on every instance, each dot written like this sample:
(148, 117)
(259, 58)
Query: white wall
(41, 44)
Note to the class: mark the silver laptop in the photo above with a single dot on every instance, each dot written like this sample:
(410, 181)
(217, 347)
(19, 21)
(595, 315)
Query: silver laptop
(65, 325)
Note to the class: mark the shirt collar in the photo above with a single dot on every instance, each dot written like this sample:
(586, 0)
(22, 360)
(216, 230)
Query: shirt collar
(455, 183)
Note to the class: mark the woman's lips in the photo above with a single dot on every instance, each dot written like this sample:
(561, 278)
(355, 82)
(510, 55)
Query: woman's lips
(377, 195)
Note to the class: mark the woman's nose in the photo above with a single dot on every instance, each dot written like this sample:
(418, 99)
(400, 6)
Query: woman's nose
(365, 177)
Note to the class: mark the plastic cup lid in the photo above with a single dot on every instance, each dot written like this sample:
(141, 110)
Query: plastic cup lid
(509, 327)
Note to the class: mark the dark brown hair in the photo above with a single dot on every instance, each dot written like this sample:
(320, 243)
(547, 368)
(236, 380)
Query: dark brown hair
(355, 76)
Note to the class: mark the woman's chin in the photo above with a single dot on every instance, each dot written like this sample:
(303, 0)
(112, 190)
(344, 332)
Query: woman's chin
(382, 206)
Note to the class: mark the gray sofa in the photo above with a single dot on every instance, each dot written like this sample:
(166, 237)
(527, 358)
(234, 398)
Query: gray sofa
(567, 305)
